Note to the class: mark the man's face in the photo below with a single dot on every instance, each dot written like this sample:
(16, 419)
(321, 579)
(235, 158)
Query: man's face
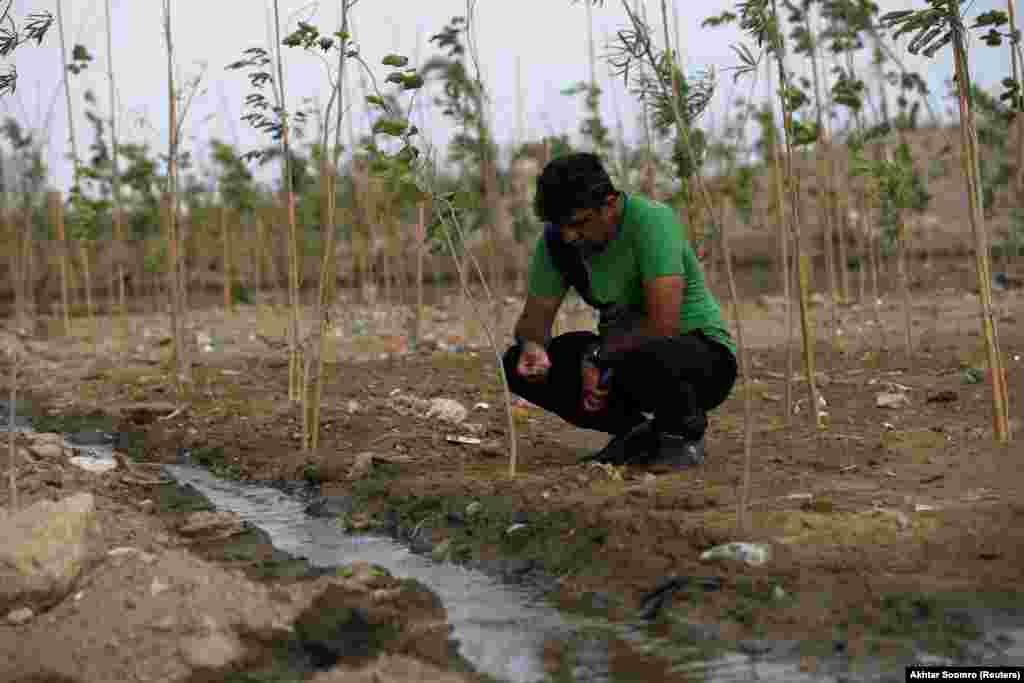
(590, 230)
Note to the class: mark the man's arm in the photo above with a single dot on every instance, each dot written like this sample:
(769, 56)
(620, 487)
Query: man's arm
(537, 318)
(663, 299)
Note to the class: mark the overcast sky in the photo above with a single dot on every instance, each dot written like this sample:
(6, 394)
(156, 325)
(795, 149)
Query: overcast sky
(544, 41)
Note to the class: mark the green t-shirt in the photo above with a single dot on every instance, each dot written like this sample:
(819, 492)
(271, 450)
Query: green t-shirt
(650, 244)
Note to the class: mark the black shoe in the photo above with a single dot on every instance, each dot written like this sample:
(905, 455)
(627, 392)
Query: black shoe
(637, 443)
(676, 452)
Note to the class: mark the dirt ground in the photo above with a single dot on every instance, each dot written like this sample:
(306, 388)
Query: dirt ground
(883, 506)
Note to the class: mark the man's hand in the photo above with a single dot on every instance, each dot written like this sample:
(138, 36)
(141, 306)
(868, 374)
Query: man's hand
(533, 363)
(595, 392)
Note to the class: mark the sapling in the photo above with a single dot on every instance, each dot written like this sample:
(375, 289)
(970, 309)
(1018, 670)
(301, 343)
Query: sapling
(760, 19)
(465, 102)
(806, 42)
(1018, 87)
(934, 28)
(278, 123)
(120, 236)
(894, 180)
(405, 173)
(309, 38)
(80, 59)
(12, 476)
(12, 36)
(56, 211)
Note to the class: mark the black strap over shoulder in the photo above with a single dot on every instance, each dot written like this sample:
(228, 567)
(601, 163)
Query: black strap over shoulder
(569, 262)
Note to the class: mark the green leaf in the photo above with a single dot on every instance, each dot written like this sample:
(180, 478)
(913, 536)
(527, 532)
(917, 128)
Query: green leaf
(377, 101)
(388, 126)
(412, 82)
(395, 60)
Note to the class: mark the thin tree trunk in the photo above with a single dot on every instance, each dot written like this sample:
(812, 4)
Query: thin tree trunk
(12, 475)
(421, 237)
(748, 401)
(83, 247)
(118, 214)
(328, 278)
(969, 139)
(908, 304)
(57, 218)
(785, 269)
(182, 366)
(294, 361)
(1015, 65)
(225, 232)
(801, 259)
(67, 92)
(842, 230)
(826, 180)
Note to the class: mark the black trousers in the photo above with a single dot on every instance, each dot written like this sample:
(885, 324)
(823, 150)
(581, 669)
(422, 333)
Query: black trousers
(677, 378)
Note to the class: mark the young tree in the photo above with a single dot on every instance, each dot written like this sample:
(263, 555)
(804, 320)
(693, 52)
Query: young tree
(12, 37)
(280, 124)
(760, 20)
(465, 102)
(175, 268)
(309, 38)
(119, 235)
(934, 28)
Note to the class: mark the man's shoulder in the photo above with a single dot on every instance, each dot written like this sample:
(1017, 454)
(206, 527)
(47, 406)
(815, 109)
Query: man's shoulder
(651, 218)
(645, 203)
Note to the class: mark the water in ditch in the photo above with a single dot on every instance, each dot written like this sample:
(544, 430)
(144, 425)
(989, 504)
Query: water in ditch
(502, 629)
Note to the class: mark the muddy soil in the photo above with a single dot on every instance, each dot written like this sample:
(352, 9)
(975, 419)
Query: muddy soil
(875, 523)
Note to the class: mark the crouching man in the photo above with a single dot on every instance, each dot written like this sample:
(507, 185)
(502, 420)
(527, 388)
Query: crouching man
(661, 348)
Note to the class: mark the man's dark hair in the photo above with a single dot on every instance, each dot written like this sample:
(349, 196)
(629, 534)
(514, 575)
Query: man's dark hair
(568, 183)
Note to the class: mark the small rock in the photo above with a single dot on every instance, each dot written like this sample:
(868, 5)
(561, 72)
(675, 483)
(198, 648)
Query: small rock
(888, 400)
(94, 465)
(135, 552)
(208, 524)
(20, 616)
(212, 652)
(353, 407)
(157, 587)
(778, 593)
(448, 410)
(474, 427)
(48, 448)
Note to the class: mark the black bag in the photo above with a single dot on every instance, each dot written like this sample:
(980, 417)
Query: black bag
(571, 265)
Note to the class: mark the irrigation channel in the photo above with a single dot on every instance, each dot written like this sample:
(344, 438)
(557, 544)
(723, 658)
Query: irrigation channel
(501, 627)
